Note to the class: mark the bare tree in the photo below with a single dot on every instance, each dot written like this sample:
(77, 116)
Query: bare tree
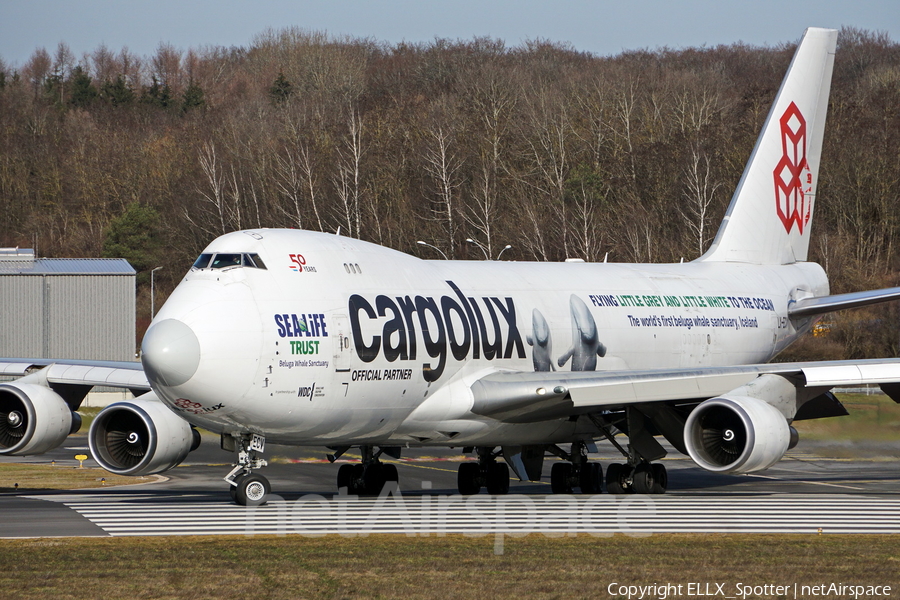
(63, 61)
(166, 65)
(694, 109)
(216, 197)
(534, 236)
(104, 63)
(585, 233)
(347, 182)
(493, 100)
(37, 68)
(130, 66)
(624, 118)
(594, 108)
(482, 208)
(548, 150)
(297, 180)
(443, 166)
(699, 195)
(639, 239)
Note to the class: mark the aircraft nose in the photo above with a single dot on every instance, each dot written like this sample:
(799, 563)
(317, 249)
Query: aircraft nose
(170, 353)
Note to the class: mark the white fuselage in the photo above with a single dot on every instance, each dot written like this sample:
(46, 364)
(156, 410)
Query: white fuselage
(341, 342)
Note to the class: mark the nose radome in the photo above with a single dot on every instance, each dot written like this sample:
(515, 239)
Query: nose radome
(170, 353)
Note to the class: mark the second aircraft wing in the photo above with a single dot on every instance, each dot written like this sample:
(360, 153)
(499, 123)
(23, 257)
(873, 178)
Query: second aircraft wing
(522, 397)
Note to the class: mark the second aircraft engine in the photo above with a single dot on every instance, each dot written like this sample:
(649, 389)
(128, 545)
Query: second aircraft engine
(737, 434)
(140, 437)
(33, 419)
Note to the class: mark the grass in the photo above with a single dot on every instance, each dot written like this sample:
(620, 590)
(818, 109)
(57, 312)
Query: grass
(874, 418)
(449, 567)
(87, 415)
(32, 478)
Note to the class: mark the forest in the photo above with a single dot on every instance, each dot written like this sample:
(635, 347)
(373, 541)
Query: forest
(554, 152)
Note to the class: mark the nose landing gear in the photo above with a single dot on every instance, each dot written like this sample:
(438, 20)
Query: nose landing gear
(247, 488)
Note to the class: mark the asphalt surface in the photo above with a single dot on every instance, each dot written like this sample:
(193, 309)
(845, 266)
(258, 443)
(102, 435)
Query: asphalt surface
(872, 475)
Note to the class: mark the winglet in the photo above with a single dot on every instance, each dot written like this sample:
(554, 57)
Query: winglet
(770, 215)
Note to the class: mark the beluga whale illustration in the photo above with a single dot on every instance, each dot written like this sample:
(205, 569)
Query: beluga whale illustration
(586, 346)
(542, 355)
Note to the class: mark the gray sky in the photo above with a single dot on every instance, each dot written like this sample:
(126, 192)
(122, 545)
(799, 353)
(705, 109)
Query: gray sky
(600, 26)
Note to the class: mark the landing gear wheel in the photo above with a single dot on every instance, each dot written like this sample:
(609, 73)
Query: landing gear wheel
(660, 479)
(345, 477)
(391, 474)
(643, 479)
(591, 478)
(252, 490)
(374, 479)
(467, 478)
(599, 478)
(617, 478)
(498, 479)
(232, 489)
(356, 479)
(559, 478)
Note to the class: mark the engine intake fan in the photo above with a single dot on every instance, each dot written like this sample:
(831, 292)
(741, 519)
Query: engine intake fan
(736, 434)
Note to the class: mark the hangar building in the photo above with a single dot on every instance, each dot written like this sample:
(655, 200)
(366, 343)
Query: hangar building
(74, 308)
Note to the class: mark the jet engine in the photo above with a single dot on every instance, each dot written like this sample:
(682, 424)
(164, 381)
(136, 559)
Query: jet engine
(737, 434)
(140, 437)
(33, 419)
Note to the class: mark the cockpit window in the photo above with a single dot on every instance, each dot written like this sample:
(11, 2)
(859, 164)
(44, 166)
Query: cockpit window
(202, 261)
(224, 261)
(255, 261)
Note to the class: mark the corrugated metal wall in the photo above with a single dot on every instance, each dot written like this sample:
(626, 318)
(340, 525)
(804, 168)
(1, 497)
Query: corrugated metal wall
(89, 317)
(21, 316)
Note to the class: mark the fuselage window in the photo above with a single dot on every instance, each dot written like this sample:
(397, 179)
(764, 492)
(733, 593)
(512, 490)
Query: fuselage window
(202, 261)
(222, 261)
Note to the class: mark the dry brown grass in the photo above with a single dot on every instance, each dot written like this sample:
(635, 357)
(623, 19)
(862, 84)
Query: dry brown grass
(32, 477)
(412, 568)
(871, 418)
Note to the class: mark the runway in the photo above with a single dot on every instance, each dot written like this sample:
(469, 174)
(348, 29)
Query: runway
(804, 493)
(516, 514)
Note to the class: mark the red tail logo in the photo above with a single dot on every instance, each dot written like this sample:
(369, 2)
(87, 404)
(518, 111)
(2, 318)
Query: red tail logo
(790, 197)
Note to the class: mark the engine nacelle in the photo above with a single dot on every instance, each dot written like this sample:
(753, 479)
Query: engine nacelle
(140, 437)
(737, 434)
(33, 419)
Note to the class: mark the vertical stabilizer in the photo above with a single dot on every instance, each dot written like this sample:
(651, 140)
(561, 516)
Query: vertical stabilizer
(770, 215)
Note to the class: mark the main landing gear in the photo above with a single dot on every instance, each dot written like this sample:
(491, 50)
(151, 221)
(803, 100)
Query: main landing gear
(487, 472)
(638, 475)
(578, 472)
(367, 478)
(247, 488)
(643, 478)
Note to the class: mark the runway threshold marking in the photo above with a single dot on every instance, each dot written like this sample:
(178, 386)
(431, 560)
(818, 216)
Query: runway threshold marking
(601, 515)
(837, 485)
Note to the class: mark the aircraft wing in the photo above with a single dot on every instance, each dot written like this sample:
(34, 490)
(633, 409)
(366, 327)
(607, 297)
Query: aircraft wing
(521, 397)
(129, 375)
(824, 304)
